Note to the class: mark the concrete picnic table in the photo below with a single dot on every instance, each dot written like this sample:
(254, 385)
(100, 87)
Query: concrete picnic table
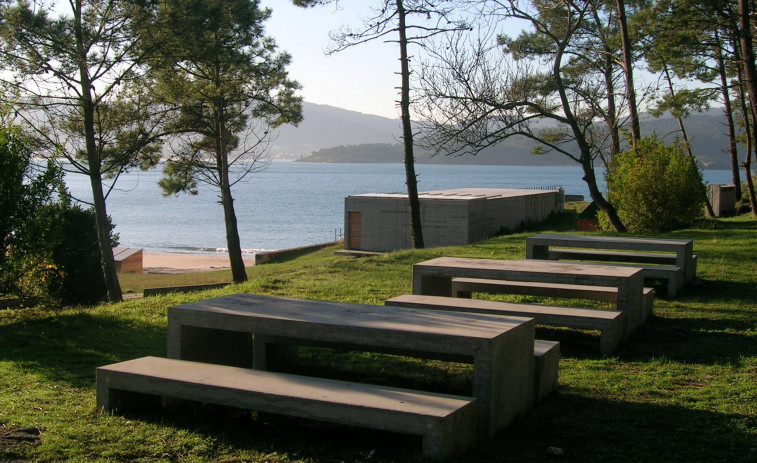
(221, 331)
(434, 278)
(537, 247)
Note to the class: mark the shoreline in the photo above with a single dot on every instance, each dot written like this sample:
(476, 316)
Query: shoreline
(167, 262)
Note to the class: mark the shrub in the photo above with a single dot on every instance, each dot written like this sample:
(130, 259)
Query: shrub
(655, 187)
(76, 257)
(26, 189)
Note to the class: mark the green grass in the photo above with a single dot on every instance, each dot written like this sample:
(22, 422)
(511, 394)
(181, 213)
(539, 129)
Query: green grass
(137, 282)
(683, 389)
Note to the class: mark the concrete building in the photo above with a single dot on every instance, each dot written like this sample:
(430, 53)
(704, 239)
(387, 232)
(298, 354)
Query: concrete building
(722, 198)
(381, 222)
(128, 260)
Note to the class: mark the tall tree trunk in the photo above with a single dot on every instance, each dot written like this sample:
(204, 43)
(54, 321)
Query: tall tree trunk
(586, 159)
(611, 116)
(749, 139)
(679, 119)
(238, 272)
(728, 110)
(628, 70)
(102, 224)
(416, 229)
(612, 112)
(596, 195)
(750, 80)
(748, 161)
(684, 136)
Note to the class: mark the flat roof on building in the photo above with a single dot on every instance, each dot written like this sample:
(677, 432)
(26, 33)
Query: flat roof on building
(463, 193)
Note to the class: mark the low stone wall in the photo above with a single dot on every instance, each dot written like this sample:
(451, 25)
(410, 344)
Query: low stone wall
(284, 254)
(181, 289)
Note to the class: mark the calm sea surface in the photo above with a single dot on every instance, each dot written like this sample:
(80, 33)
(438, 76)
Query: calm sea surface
(293, 204)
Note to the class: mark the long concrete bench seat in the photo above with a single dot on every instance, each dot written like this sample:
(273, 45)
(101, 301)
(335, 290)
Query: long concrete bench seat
(673, 276)
(446, 423)
(610, 323)
(464, 287)
(617, 256)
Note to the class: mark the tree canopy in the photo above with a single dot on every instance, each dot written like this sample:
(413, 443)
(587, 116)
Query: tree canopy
(229, 88)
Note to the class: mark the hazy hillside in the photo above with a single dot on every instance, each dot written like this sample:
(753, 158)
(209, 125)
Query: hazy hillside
(327, 126)
(330, 134)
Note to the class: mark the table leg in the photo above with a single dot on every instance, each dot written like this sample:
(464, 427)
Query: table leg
(210, 345)
(631, 301)
(428, 285)
(272, 351)
(535, 251)
(503, 379)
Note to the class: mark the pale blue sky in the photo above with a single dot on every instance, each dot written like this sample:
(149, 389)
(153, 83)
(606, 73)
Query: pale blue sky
(362, 78)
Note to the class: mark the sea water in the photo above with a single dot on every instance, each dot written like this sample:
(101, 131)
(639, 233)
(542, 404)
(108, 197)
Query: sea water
(292, 204)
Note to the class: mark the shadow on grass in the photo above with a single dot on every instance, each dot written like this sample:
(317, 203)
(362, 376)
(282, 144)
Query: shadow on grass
(620, 432)
(69, 347)
(709, 291)
(611, 431)
(281, 436)
(691, 341)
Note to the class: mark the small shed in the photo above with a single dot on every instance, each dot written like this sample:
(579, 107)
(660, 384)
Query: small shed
(381, 222)
(128, 260)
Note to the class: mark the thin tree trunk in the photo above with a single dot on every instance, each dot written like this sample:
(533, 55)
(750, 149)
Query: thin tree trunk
(416, 229)
(749, 140)
(238, 272)
(596, 195)
(685, 137)
(750, 79)
(628, 69)
(102, 224)
(611, 118)
(728, 110)
(586, 158)
(612, 113)
(679, 119)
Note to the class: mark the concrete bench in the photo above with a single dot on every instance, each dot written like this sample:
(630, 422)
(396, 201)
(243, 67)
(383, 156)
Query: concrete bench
(610, 323)
(446, 423)
(674, 276)
(463, 287)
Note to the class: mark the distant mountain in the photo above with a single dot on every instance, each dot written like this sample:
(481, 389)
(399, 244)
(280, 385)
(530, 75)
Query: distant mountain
(330, 134)
(327, 126)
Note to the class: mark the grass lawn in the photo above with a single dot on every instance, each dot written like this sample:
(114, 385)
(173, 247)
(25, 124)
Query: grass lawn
(683, 389)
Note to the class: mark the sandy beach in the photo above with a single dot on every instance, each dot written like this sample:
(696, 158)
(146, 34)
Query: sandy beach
(163, 262)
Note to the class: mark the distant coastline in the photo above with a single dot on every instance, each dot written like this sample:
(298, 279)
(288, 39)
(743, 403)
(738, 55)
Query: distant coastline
(511, 154)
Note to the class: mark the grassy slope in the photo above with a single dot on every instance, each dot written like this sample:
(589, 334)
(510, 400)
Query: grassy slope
(683, 389)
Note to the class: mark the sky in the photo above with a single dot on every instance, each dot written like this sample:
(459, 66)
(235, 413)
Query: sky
(362, 78)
